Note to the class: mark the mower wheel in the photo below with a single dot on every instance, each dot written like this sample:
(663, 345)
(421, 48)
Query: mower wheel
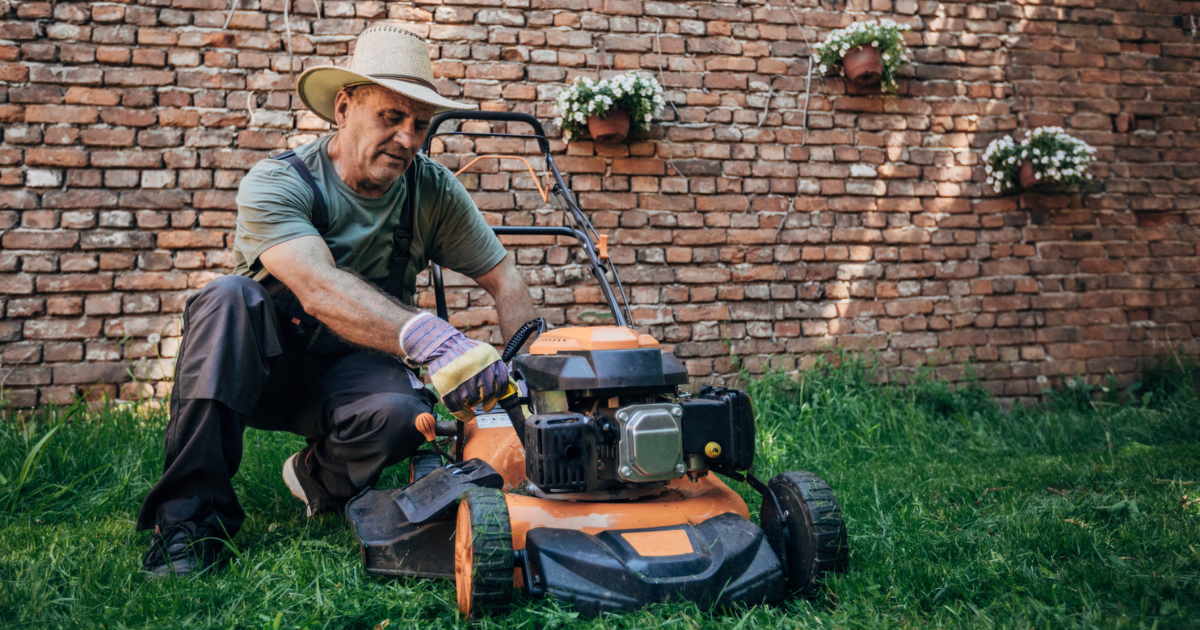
(815, 541)
(483, 553)
(422, 463)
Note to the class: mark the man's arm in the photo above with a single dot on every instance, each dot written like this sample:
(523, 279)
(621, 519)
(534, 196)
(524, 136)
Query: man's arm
(513, 304)
(350, 306)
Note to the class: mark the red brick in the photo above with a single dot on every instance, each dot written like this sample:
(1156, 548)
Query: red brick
(91, 373)
(30, 239)
(60, 114)
(74, 282)
(191, 239)
(153, 281)
(62, 329)
(16, 284)
(56, 157)
(638, 167)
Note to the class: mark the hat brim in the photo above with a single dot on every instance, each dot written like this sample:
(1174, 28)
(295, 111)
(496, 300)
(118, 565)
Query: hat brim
(318, 87)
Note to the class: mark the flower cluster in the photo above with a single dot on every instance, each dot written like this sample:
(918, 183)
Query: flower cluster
(640, 97)
(1056, 159)
(883, 35)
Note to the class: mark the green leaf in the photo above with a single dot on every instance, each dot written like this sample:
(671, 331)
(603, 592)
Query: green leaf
(31, 459)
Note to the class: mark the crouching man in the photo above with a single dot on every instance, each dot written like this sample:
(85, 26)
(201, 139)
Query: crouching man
(311, 334)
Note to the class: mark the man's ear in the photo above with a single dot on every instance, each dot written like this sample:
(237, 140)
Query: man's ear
(341, 103)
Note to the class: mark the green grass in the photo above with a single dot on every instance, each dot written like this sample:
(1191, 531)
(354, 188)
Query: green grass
(960, 514)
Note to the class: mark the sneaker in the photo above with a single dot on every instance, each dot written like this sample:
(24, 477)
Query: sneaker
(182, 548)
(298, 477)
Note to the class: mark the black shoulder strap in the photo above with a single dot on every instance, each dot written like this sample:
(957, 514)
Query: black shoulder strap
(402, 239)
(320, 213)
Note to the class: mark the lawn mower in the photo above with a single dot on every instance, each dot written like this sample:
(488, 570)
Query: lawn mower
(593, 484)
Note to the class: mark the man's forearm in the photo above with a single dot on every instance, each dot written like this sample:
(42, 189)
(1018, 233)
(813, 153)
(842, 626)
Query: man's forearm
(513, 308)
(356, 310)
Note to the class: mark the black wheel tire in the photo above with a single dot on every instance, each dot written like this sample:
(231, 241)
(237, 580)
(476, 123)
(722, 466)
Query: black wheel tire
(423, 463)
(483, 553)
(816, 540)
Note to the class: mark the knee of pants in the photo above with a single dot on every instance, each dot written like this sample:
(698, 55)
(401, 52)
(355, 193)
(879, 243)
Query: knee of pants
(384, 423)
(228, 291)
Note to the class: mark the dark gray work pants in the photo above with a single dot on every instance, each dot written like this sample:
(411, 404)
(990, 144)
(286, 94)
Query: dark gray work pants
(240, 365)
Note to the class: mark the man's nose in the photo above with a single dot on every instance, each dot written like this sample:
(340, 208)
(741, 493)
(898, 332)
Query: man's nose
(408, 137)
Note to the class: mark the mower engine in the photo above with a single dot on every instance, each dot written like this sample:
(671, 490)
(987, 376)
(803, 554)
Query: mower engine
(609, 422)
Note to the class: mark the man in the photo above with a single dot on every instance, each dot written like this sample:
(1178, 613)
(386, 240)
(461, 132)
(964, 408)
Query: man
(307, 335)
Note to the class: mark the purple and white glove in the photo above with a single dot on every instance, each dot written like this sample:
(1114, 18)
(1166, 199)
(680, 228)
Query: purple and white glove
(464, 371)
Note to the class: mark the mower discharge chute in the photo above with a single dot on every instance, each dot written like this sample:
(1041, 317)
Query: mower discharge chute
(593, 485)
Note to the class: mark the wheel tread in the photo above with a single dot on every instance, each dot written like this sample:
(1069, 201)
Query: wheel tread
(830, 552)
(491, 538)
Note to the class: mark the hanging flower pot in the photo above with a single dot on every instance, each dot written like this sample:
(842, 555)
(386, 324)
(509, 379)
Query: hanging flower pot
(610, 109)
(1026, 177)
(1048, 160)
(868, 52)
(610, 130)
(863, 65)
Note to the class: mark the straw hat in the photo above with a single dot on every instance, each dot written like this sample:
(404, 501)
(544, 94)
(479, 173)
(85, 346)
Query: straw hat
(385, 55)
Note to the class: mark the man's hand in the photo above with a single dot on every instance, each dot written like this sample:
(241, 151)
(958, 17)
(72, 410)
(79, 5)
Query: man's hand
(465, 372)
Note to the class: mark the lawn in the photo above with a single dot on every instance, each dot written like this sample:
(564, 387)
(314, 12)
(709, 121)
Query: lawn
(960, 514)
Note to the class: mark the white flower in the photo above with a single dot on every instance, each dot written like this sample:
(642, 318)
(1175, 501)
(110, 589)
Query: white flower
(153, 338)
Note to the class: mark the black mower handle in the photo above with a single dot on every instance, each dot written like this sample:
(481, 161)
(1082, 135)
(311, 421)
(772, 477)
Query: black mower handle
(539, 133)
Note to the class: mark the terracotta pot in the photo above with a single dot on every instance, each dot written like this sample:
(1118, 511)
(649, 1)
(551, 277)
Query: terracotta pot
(863, 65)
(1026, 176)
(609, 130)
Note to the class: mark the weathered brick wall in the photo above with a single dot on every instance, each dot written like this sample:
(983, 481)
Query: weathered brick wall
(741, 226)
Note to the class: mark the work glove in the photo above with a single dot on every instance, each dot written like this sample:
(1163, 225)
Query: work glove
(464, 371)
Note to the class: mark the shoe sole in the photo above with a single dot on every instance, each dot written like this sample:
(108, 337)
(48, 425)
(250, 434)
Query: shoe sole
(293, 482)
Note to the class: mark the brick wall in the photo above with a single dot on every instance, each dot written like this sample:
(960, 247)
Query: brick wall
(739, 224)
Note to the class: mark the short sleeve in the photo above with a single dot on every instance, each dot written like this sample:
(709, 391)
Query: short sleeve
(274, 206)
(463, 241)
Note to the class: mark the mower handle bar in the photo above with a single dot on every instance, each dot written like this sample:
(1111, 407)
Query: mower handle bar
(585, 235)
(539, 134)
(439, 287)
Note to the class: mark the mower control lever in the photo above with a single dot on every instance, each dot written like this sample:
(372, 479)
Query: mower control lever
(512, 406)
(512, 403)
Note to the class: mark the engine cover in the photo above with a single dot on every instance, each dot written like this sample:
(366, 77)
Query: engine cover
(649, 369)
(651, 445)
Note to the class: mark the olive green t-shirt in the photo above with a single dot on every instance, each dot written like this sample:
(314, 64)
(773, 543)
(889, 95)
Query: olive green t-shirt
(275, 205)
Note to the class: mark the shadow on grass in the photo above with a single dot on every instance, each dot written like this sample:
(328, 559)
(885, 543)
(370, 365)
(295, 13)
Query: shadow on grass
(961, 513)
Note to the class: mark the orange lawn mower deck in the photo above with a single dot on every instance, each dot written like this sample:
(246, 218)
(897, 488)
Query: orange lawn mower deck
(593, 485)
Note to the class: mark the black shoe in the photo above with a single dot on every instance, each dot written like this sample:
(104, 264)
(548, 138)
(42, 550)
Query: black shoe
(298, 476)
(182, 548)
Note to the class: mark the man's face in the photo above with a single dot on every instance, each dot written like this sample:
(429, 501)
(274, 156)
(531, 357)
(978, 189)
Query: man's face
(379, 132)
